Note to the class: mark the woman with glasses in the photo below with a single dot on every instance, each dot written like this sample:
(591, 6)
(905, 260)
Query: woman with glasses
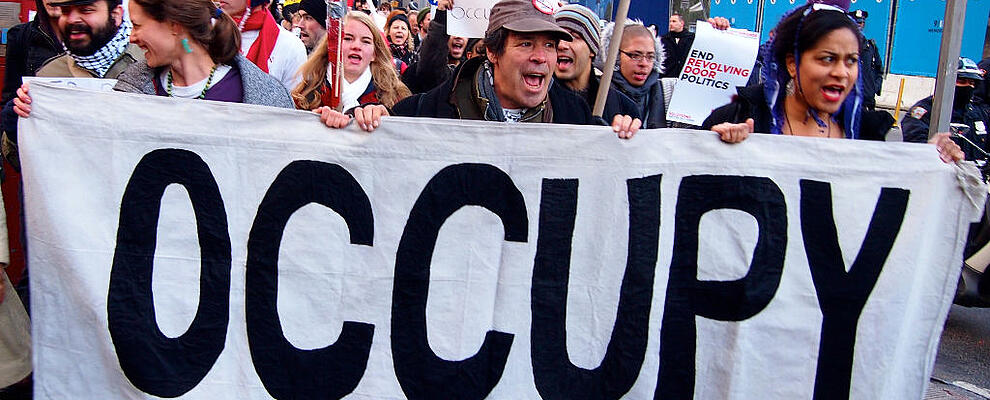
(811, 86)
(640, 67)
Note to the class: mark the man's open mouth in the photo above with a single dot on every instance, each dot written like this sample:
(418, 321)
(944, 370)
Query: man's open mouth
(534, 81)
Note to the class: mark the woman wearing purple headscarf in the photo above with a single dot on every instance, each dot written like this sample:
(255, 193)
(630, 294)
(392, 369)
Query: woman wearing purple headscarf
(811, 86)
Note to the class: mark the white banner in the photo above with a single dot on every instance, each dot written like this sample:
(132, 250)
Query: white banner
(718, 62)
(196, 249)
(469, 18)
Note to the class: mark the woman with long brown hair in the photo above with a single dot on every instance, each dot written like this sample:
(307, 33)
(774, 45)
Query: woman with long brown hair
(192, 49)
(370, 82)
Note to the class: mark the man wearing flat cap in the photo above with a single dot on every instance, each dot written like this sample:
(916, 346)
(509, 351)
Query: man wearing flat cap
(263, 41)
(96, 36)
(574, 60)
(872, 64)
(512, 83)
(312, 22)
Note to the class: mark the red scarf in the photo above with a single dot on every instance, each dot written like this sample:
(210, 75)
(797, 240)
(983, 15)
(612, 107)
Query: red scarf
(261, 49)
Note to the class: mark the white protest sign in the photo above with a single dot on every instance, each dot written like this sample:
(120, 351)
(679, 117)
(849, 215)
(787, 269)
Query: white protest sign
(195, 249)
(469, 18)
(718, 62)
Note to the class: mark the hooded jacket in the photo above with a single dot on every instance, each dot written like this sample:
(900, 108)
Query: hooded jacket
(649, 100)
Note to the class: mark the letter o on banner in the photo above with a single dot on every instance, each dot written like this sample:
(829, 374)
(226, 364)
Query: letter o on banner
(153, 362)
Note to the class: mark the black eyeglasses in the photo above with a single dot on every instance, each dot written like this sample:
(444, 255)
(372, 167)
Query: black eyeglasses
(637, 57)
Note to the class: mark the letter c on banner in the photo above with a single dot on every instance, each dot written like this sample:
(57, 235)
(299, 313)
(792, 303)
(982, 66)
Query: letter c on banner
(154, 363)
(331, 372)
(421, 374)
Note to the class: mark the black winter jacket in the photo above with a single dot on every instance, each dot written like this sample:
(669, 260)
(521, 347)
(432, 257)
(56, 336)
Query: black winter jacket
(567, 107)
(677, 51)
(29, 46)
(616, 103)
(750, 102)
(432, 68)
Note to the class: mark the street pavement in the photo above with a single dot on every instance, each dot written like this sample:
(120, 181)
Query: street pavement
(962, 367)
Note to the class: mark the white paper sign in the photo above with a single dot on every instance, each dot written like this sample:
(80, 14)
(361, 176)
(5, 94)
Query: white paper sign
(469, 18)
(195, 249)
(718, 62)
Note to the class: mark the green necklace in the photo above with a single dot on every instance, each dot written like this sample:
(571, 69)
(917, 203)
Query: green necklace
(202, 94)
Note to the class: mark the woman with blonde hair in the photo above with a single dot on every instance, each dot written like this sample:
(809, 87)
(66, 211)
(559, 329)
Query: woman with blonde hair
(370, 83)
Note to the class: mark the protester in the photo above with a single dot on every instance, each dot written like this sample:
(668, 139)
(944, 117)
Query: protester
(810, 86)
(273, 49)
(311, 20)
(871, 63)
(475, 47)
(512, 82)
(676, 42)
(192, 51)
(439, 54)
(369, 78)
(290, 11)
(423, 20)
(965, 110)
(95, 35)
(414, 29)
(574, 60)
(29, 45)
(399, 43)
(638, 71)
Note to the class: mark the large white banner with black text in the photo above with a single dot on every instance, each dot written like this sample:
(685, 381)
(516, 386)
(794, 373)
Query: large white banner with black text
(208, 250)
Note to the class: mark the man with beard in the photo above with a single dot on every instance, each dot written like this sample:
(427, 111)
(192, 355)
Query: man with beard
(263, 41)
(312, 22)
(574, 60)
(512, 82)
(95, 35)
(677, 42)
(965, 111)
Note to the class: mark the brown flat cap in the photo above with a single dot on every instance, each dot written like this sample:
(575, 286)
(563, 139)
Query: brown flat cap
(526, 16)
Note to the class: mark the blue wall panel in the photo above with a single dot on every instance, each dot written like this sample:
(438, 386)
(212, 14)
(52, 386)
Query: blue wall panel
(773, 10)
(918, 34)
(877, 24)
(741, 13)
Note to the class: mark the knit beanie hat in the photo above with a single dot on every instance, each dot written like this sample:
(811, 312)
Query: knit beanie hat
(582, 20)
(316, 9)
(398, 16)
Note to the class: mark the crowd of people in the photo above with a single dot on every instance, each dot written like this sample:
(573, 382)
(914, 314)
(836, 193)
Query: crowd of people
(530, 66)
